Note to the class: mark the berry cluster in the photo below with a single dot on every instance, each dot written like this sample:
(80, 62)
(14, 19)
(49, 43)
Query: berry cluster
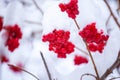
(1, 23)
(95, 39)
(58, 42)
(71, 8)
(79, 60)
(14, 34)
(3, 58)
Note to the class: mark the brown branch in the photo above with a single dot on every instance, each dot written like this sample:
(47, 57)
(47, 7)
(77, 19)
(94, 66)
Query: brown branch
(38, 7)
(88, 74)
(118, 6)
(112, 14)
(76, 24)
(46, 67)
(81, 50)
(33, 22)
(108, 71)
(10, 65)
(93, 62)
(114, 78)
(108, 19)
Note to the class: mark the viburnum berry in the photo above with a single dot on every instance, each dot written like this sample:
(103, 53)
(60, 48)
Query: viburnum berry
(12, 44)
(1, 23)
(14, 35)
(95, 39)
(14, 31)
(71, 8)
(80, 60)
(58, 42)
(4, 58)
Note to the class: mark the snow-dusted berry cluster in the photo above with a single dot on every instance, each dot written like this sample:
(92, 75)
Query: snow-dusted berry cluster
(71, 8)
(58, 42)
(13, 34)
(95, 39)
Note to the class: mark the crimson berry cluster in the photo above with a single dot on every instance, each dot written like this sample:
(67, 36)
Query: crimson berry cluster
(71, 8)
(58, 42)
(13, 34)
(95, 39)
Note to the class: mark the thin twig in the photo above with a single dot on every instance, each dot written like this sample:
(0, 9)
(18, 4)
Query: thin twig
(109, 71)
(33, 22)
(76, 24)
(118, 7)
(108, 19)
(95, 68)
(81, 50)
(88, 74)
(112, 14)
(38, 7)
(46, 67)
(114, 78)
(24, 71)
(0, 71)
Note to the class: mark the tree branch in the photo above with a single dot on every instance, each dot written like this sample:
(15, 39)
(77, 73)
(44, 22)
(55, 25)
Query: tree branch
(112, 14)
(38, 7)
(108, 71)
(46, 67)
(10, 65)
(88, 74)
(118, 6)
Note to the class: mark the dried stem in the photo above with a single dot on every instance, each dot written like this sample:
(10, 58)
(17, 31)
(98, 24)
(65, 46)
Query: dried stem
(0, 71)
(114, 78)
(38, 7)
(33, 22)
(81, 50)
(46, 67)
(95, 68)
(108, 19)
(25, 71)
(118, 6)
(88, 74)
(108, 71)
(112, 14)
(76, 24)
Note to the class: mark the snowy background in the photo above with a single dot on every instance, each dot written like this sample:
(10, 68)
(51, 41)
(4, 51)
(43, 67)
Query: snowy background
(34, 24)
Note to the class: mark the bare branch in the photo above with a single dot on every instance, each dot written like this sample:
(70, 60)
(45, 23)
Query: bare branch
(112, 14)
(114, 78)
(109, 71)
(118, 10)
(10, 65)
(38, 7)
(46, 67)
(33, 22)
(81, 50)
(88, 74)
(108, 19)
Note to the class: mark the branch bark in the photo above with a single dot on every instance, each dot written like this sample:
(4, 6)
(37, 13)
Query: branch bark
(108, 71)
(46, 67)
(112, 14)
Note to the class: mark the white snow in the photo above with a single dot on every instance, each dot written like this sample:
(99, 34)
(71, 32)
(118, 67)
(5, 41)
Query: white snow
(62, 69)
